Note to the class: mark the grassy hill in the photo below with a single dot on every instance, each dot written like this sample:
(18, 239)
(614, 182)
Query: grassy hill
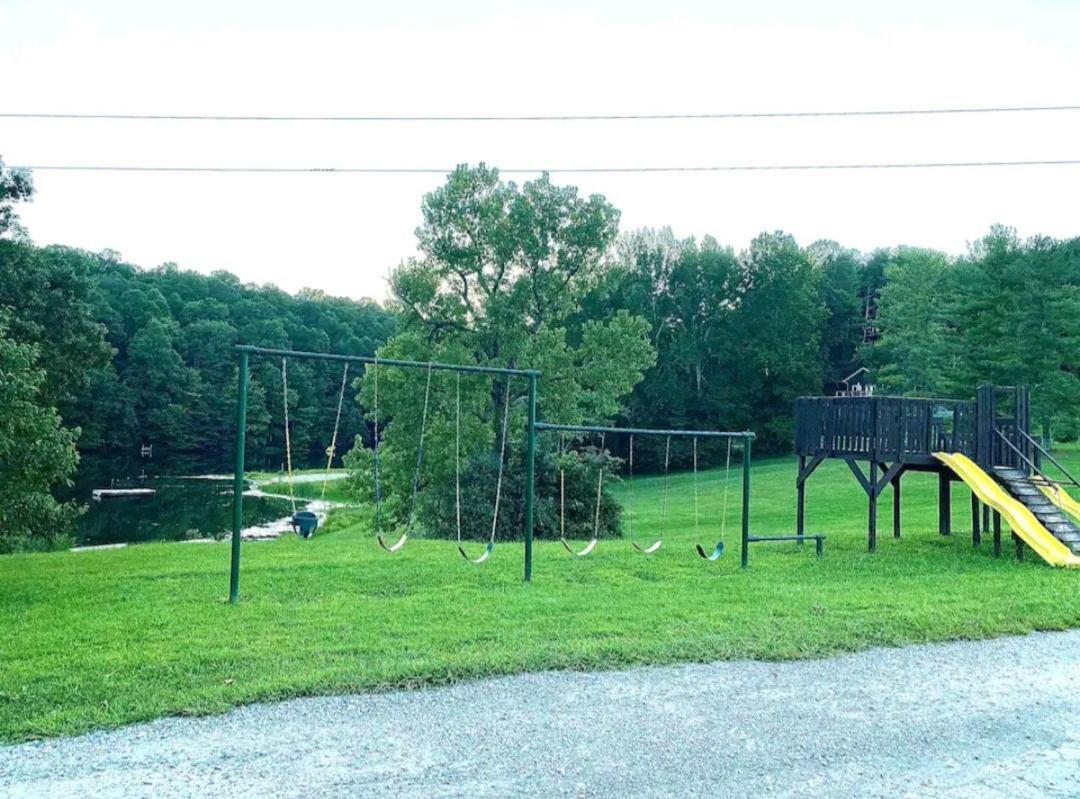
(98, 639)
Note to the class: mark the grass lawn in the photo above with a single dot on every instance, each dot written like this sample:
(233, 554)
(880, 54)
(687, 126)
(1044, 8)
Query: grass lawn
(307, 483)
(98, 639)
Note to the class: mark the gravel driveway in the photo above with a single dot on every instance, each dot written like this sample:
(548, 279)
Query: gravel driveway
(988, 719)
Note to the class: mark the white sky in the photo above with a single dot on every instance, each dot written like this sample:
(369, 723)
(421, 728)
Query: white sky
(342, 233)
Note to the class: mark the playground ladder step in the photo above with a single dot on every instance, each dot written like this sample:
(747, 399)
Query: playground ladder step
(1027, 491)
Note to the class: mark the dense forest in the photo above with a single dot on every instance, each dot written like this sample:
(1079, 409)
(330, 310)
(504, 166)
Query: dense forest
(640, 328)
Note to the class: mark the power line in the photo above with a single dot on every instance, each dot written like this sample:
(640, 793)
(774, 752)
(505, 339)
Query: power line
(551, 170)
(548, 117)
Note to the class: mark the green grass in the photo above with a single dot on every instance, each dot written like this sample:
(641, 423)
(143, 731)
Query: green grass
(277, 483)
(98, 639)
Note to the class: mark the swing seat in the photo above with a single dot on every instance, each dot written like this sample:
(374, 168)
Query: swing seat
(392, 547)
(483, 555)
(718, 550)
(651, 548)
(304, 523)
(589, 547)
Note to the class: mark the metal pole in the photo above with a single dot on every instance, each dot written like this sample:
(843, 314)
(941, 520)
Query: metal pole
(642, 431)
(238, 479)
(530, 477)
(330, 356)
(746, 501)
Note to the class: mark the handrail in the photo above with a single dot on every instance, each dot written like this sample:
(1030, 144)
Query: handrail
(1043, 451)
(1024, 457)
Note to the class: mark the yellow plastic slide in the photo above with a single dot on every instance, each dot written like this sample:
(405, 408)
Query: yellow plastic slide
(1021, 520)
(1060, 497)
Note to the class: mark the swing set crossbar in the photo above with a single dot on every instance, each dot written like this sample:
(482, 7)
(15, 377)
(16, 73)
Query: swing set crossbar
(328, 356)
(641, 431)
(244, 353)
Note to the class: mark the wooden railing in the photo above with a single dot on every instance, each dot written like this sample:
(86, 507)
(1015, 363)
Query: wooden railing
(884, 428)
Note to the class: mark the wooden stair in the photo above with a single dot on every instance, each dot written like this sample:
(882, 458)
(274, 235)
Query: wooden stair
(1025, 489)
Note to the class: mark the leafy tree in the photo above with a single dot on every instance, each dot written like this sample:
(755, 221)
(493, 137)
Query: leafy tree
(775, 337)
(737, 336)
(916, 353)
(16, 186)
(1020, 311)
(684, 290)
(36, 454)
(500, 280)
(146, 356)
(838, 272)
(48, 294)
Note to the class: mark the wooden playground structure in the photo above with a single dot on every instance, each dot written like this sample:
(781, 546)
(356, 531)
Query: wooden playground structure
(985, 442)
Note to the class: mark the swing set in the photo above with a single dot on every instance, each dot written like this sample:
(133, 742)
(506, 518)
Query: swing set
(742, 438)
(305, 522)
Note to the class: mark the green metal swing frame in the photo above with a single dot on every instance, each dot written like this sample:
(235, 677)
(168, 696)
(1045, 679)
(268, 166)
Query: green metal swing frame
(246, 351)
(533, 428)
(746, 437)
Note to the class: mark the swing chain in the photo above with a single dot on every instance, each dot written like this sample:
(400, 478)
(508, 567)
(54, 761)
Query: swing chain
(727, 481)
(599, 488)
(696, 525)
(457, 460)
(332, 449)
(419, 455)
(378, 488)
(288, 442)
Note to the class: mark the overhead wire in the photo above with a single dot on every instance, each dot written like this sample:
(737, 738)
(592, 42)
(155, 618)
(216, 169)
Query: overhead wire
(803, 167)
(615, 117)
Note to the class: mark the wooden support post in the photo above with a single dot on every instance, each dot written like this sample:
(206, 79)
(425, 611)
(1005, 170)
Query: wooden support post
(997, 534)
(976, 531)
(800, 500)
(986, 518)
(944, 504)
(1019, 542)
(871, 526)
(896, 505)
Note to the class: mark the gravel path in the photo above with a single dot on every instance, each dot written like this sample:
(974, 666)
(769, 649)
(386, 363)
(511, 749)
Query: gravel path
(989, 719)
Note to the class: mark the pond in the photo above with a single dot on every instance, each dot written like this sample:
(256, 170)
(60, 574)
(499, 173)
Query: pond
(180, 508)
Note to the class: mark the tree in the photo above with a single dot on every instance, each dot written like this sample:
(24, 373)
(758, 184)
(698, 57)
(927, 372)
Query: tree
(16, 186)
(774, 335)
(48, 293)
(685, 291)
(917, 352)
(1018, 319)
(500, 280)
(36, 454)
(160, 384)
(838, 272)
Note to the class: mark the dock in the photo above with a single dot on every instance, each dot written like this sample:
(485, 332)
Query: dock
(112, 493)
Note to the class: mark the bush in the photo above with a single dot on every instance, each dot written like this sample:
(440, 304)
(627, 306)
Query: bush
(36, 454)
(478, 480)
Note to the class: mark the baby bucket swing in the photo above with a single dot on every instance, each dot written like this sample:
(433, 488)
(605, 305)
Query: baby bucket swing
(303, 522)
(591, 545)
(489, 548)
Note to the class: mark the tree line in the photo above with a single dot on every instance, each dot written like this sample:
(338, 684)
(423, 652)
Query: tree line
(640, 328)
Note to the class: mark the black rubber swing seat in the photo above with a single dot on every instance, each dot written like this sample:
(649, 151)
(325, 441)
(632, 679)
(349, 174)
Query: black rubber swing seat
(393, 547)
(589, 547)
(481, 557)
(718, 550)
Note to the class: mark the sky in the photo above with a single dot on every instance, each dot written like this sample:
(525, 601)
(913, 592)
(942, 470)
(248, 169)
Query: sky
(344, 233)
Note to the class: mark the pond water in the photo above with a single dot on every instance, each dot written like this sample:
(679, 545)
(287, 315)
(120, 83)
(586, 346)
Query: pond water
(181, 508)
